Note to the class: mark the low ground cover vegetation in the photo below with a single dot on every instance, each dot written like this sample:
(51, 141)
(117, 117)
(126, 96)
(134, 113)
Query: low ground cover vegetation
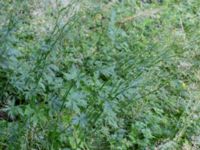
(78, 75)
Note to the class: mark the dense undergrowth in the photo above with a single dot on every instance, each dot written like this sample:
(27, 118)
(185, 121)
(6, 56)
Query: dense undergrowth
(99, 75)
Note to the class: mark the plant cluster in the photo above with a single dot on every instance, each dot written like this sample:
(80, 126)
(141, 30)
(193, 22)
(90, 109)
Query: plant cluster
(92, 75)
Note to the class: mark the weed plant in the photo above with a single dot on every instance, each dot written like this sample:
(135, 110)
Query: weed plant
(99, 75)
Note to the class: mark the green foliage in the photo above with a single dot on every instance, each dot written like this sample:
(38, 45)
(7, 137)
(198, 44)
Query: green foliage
(99, 74)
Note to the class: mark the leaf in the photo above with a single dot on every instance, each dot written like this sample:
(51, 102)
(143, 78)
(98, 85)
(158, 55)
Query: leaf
(110, 115)
(76, 99)
(80, 120)
(72, 73)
